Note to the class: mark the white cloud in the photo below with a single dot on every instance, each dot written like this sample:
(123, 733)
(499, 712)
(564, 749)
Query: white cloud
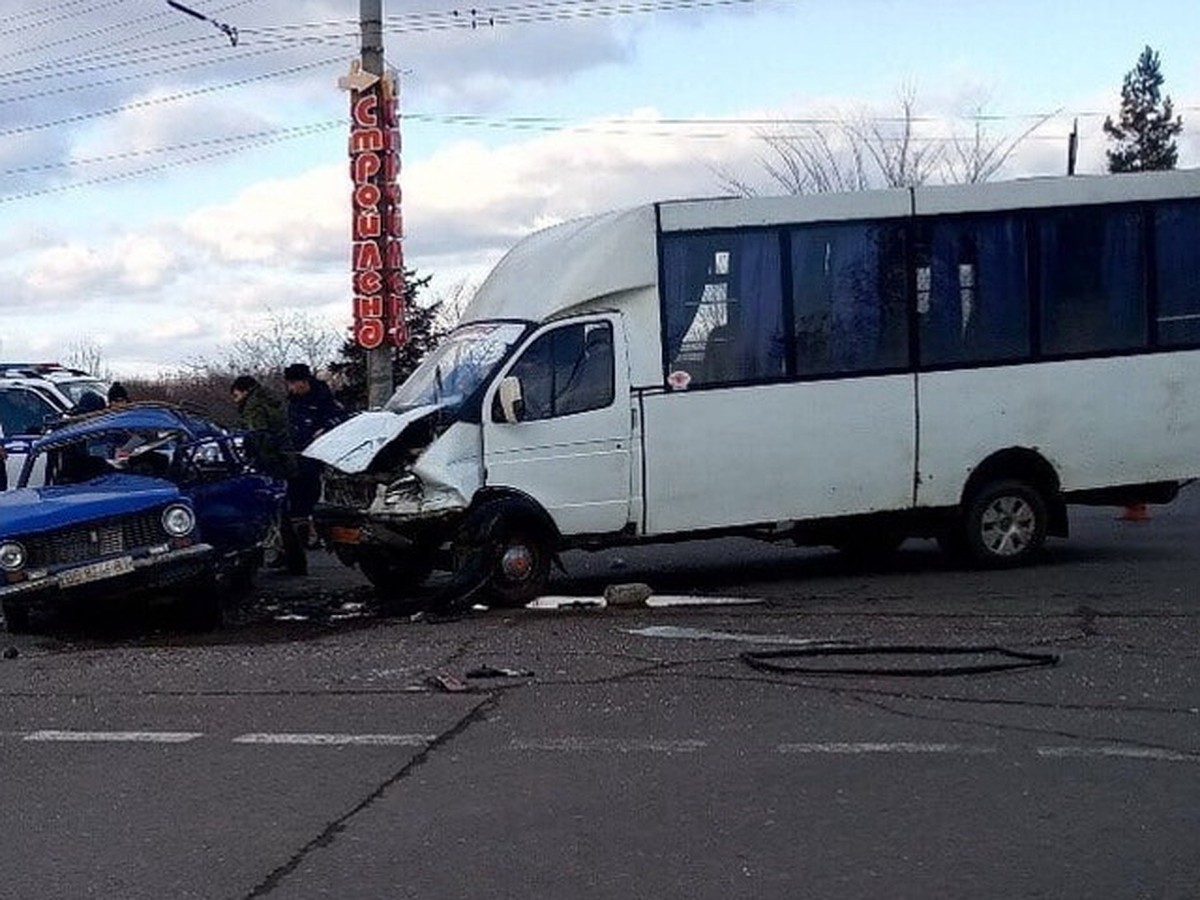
(294, 221)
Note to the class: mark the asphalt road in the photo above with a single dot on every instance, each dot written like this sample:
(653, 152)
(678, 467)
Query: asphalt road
(317, 750)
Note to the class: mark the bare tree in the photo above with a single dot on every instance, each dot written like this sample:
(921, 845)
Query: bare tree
(281, 339)
(452, 302)
(864, 151)
(978, 158)
(900, 156)
(84, 353)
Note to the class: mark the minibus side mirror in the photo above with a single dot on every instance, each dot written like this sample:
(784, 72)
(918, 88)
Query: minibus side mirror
(509, 395)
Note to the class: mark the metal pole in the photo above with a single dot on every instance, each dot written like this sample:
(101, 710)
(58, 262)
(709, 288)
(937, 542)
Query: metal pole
(379, 360)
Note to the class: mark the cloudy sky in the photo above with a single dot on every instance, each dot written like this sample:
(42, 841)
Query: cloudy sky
(162, 190)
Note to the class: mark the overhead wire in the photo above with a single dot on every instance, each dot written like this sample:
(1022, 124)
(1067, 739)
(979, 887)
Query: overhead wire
(289, 35)
(148, 170)
(57, 9)
(166, 98)
(274, 134)
(59, 15)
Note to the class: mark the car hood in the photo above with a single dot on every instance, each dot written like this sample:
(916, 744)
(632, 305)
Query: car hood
(353, 445)
(29, 510)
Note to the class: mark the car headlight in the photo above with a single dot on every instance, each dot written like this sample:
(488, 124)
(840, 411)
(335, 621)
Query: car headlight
(12, 556)
(179, 521)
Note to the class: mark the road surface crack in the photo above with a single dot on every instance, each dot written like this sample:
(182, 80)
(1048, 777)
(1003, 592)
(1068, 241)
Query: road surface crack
(331, 831)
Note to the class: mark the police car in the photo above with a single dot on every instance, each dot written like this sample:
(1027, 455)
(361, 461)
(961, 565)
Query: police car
(32, 394)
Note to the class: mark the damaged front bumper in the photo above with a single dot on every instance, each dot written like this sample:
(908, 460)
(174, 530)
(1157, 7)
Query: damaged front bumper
(147, 569)
(360, 514)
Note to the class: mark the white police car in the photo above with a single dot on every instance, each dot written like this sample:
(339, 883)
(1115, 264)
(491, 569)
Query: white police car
(32, 394)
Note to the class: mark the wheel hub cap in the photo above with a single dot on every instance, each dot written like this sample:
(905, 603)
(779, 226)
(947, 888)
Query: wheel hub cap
(1008, 526)
(517, 563)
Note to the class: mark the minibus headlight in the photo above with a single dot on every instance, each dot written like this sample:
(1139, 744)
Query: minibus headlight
(178, 520)
(403, 490)
(12, 556)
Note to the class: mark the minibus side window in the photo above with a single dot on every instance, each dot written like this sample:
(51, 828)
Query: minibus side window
(849, 298)
(972, 290)
(1092, 280)
(1177, 236)
(723, 302)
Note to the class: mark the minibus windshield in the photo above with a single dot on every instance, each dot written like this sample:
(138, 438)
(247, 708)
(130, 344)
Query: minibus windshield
(455, 369)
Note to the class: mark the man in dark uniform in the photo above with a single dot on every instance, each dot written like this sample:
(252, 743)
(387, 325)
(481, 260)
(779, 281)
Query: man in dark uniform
(268, 444)
(312, 410)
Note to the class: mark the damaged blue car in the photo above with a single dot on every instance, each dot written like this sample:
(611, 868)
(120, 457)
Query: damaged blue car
(141, 500)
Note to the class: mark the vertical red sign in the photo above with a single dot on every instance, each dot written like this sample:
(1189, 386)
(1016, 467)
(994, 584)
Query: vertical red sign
(377, 258)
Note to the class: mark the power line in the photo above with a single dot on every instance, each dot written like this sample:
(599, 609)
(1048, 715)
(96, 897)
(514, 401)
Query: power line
(138, 173)
(96, 32)
(58, 16)
(272, 135)
(57, 9)
(166, 98)
(134, 76)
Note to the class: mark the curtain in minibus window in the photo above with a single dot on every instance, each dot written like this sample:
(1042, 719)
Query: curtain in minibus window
(723, 304)
(972, 290)
(1177, 255)
(848, 295)
(1092, 280)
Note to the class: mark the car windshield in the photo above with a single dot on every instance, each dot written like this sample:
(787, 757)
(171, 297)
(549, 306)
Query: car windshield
(139, 451)
(76, 389)
(457, 367)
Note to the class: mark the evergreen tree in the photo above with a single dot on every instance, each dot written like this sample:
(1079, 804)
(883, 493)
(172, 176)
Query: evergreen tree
(1145, 135)
(350, 372)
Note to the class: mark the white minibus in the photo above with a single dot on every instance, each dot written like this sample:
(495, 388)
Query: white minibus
(957, 362)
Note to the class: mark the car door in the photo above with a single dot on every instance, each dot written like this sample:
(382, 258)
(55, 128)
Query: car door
(23, 414)
(569, 447)
(236, 507)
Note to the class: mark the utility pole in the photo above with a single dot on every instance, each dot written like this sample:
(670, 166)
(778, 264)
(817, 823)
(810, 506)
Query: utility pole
(379, 360)
(1073, 148)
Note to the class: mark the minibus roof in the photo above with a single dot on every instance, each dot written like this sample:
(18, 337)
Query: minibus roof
(588, 259)
(565, 265)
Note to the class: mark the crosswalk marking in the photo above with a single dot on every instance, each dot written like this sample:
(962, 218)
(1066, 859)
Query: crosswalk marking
(857, 747)
(134, 737)
(589, 744)
(1147, 753)
(338, 740)
(607, 745)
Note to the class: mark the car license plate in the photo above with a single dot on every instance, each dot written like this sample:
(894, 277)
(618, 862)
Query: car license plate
(96, 571)
(341, 535)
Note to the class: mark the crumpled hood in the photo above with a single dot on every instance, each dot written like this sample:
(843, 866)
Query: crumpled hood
(353, 445)
(33, 510)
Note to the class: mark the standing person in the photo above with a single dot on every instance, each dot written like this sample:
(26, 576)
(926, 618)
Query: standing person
(312, 410)
(117, 394)
(269, 446)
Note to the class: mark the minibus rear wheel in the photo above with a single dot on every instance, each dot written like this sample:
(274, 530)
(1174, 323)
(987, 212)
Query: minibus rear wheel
(1006, 524)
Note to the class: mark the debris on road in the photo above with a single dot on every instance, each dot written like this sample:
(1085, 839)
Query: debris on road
(635, 594)
(447, 683)
(496, 672)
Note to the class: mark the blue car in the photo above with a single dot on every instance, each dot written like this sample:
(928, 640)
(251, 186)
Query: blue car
(131, 501)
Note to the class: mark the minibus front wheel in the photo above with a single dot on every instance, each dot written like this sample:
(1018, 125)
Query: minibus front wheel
(1005, 523)
(504, 552)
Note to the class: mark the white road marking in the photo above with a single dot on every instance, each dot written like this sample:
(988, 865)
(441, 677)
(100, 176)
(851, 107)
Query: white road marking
(860, 747)
(680, 632)
(338, 740)
(1142, 753)
(137, 737)
(607, 745)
